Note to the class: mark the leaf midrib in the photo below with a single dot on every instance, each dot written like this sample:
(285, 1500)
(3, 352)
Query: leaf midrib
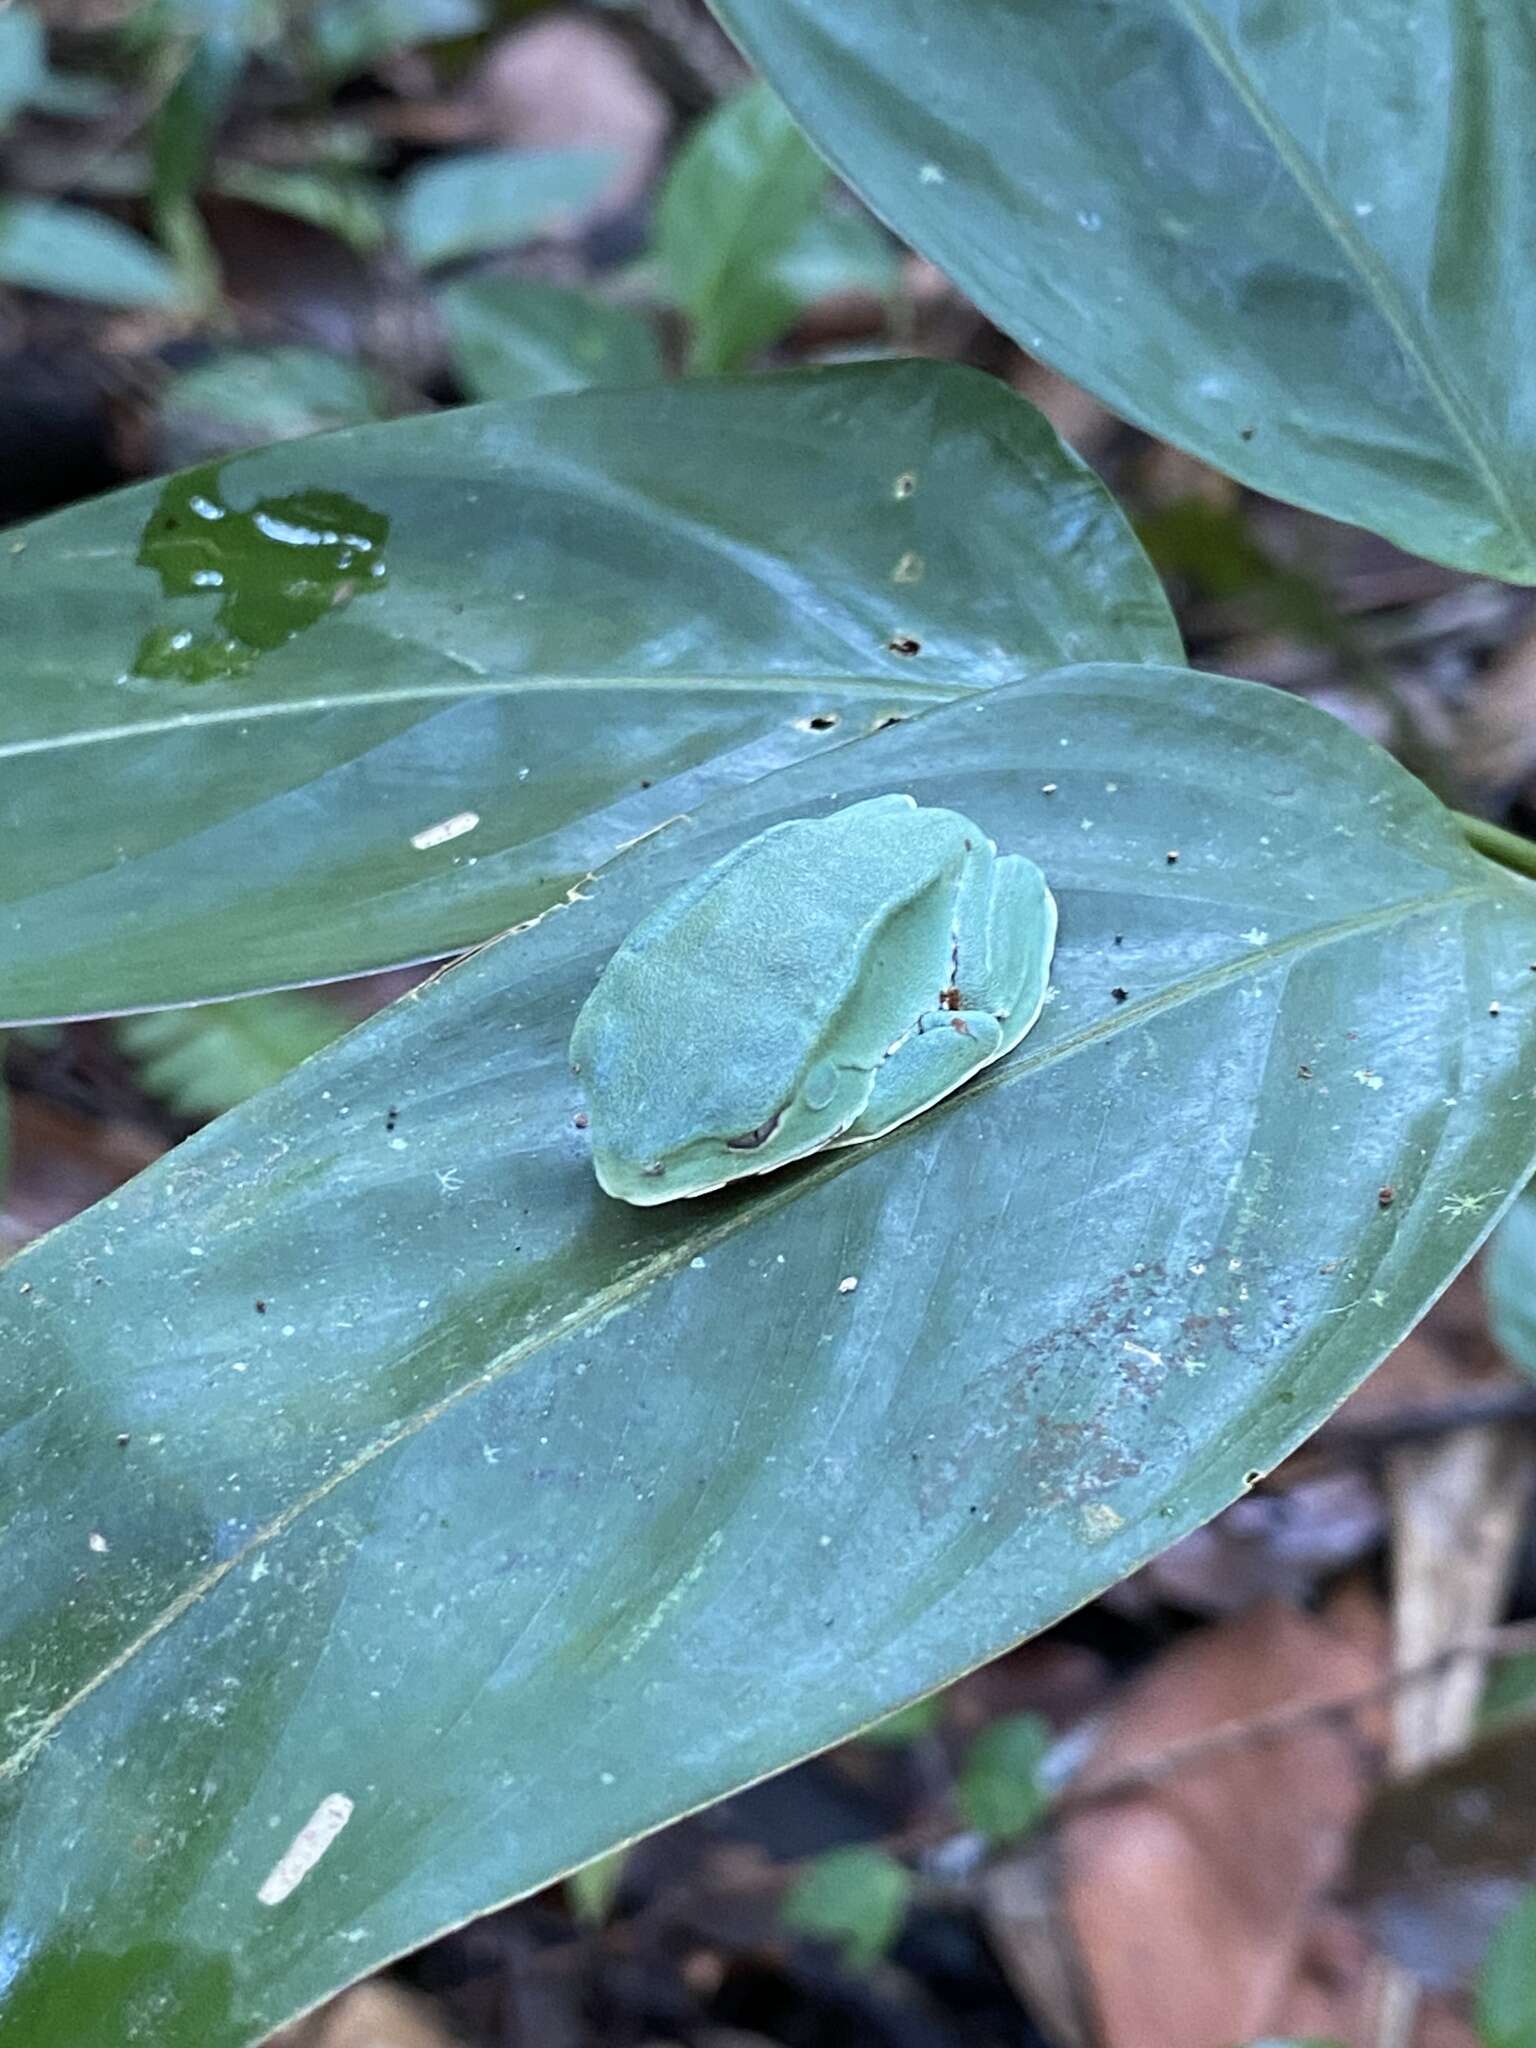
(611, 1300)
(1415, 340)
(939, 691)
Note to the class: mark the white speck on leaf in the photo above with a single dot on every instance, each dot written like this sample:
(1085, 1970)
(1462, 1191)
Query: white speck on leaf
(97, 1542)
(930, 174)
(1255, 937)
(848, 1285)
(1100, 1522)
(306, 1848)
(1366, 1078)
(446, 829)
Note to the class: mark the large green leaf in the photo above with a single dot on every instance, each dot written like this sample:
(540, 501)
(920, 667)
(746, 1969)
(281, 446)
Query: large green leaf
(593, 610)
(1292, 236)
(364, 1464)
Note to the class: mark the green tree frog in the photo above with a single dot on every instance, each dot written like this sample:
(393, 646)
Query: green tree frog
(817, 986)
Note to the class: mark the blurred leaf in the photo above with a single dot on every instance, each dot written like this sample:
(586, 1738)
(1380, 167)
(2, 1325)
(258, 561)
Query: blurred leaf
(592, 1888)
(1509, 1281)
(592, 610)
(1272, 234)
(999, 1789)
(252, 396)
(48, 246)
(907, 1724)
(1511, 1688)
(23, 60)
(181, 144)
(838, 251)
(1273, 2042)
(203, 1061)
(1442, 1856)
(740, 195)
(1213, 549)
(344, 204)
(26, 79)
(345, 36)
(516, 340)
(855, 1897)
(472, 1524)
(1506, 1985)
(491, 199)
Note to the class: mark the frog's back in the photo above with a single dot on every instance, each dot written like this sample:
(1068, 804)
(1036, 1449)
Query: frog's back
(718, 1001)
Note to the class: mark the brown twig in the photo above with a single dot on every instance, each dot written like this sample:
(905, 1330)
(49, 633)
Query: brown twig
(1512, 1640)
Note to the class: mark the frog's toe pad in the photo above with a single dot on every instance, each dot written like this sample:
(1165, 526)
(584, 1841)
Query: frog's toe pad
(947, 1047)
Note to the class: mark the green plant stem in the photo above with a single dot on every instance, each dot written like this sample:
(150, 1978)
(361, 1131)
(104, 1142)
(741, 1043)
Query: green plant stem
(1507, 848)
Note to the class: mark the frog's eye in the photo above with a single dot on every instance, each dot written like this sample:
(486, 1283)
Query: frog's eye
(750, 1141)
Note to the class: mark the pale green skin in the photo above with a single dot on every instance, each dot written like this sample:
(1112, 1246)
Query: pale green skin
(817, 986)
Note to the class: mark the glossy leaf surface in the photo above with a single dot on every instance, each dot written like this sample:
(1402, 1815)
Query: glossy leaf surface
(395, 1523)
(1292, 237)
(533, 633)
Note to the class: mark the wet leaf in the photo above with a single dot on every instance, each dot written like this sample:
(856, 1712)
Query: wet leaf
(594, 610)
(1274, 235)
(469, 1524)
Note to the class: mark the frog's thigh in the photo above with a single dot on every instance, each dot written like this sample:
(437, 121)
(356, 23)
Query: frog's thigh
(946, 1049)
(1005, 921)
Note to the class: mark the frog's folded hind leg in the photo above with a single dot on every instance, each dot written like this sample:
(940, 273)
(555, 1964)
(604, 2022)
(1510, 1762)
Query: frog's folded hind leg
(945, 1049)
(1006, 925)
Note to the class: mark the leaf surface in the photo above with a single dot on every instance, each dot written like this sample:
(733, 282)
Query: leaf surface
(1292, 237)
(534, 632)
(469, 1524)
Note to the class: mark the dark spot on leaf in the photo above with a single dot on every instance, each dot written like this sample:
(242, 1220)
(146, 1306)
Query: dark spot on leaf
(392, 1118)
(950, 999)
(1303, 1073)
(1119, 994)
(905, 484)
(900, 718)
(1252, 1477)
(581, 1119)
(123, 1439)
(903, 643)
(261, 1308)
(1172, 858)
(1246, 433)
(1386, 1197)
(822, 721)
